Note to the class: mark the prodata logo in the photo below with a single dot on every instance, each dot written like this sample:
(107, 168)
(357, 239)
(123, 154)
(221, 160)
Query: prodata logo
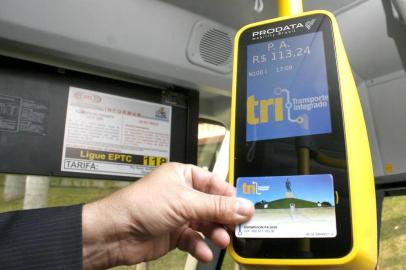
(276, 30)
(310, 23)
(284, 29)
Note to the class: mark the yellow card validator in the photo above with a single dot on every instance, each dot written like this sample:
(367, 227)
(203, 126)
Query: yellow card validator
(295, 206)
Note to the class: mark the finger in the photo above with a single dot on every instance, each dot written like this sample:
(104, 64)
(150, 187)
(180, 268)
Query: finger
(192, 242)
(215, 232)
(206, 181)
(215, 208)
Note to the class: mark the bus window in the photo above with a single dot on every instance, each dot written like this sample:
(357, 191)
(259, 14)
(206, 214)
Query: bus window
(16, 190)
(393, 233)
(210, 137)
(211, 134)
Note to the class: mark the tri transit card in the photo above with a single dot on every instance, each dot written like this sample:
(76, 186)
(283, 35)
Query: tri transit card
(294, 206)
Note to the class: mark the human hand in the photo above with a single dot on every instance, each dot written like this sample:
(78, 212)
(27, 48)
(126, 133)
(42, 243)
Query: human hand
(164, 210)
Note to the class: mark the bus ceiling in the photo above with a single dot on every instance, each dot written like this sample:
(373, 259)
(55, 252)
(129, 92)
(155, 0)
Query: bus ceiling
(156, 41)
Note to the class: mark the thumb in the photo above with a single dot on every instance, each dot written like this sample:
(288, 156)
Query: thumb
(219, 209)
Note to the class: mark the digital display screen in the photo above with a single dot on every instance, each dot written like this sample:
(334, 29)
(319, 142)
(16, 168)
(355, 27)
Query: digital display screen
(287, 88)
(294, 206)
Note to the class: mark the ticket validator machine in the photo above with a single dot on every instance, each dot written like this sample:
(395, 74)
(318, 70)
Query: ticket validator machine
(299, 149)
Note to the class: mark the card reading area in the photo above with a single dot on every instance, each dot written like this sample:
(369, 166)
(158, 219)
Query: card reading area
(298, 206)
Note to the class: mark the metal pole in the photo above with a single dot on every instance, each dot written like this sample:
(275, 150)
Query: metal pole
(303, 155)
(304, 160)
(289, 7)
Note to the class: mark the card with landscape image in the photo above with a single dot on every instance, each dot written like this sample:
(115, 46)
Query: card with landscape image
(295, 206)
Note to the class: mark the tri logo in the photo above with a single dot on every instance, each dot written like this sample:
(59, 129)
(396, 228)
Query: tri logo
(283, 116)
(253, 188)
(277, 104)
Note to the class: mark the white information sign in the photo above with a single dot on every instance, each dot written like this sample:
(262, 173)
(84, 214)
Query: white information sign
(113, 135)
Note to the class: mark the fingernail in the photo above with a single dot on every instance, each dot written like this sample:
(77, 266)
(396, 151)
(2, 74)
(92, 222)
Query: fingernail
(245, 207)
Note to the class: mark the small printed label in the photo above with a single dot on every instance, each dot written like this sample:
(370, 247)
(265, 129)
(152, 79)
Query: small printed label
(389, 168)
(23, 115)
(113, 135)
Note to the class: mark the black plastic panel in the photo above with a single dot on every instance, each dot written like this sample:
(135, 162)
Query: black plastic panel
(33, 145)
(280, 156)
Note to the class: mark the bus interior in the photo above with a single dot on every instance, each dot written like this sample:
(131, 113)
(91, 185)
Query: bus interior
(184, 50)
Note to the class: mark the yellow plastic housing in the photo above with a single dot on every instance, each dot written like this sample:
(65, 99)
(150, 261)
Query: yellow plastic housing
(363, 255)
